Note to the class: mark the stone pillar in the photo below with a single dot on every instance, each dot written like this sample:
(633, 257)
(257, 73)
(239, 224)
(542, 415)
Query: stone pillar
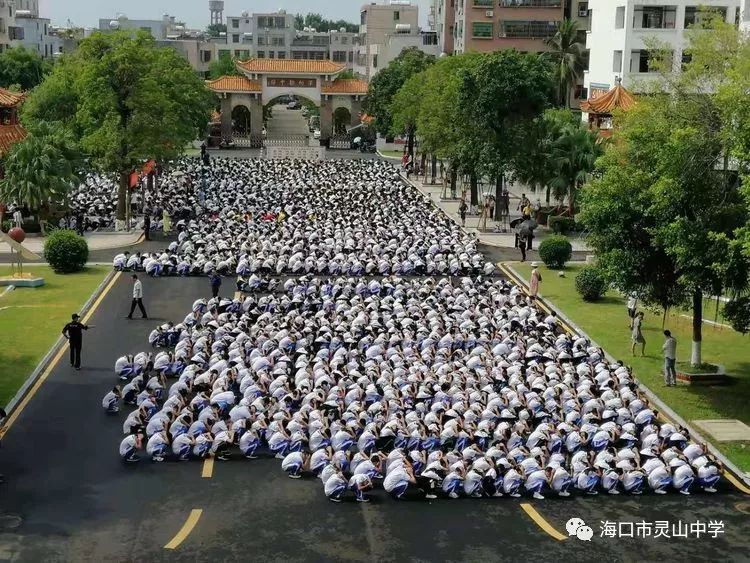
(226, 116)
(356, 111)
(256, 116)
(326, 118)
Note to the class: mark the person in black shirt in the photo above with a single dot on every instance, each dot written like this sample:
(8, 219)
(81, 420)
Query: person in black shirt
(73, 331)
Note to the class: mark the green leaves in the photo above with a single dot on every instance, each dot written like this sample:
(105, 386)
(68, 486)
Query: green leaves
(22, 67)
(125, 100)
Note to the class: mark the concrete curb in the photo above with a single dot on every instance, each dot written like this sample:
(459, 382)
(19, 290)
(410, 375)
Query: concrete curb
(664, 409)
(44, 362)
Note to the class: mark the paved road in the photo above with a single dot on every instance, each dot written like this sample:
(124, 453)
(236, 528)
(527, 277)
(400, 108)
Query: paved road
(77, 502)
(285, 122)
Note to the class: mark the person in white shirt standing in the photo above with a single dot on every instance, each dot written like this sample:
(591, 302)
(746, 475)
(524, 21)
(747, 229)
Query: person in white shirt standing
(137, 298)
(670, 357)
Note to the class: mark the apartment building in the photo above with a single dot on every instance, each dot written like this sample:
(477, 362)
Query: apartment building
(492, 25)
(621, 31)
(9, 31)
(379, 23)
(442, 21)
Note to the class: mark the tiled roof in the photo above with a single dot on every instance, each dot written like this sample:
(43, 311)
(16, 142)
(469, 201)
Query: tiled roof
(618, 97)
(344, 86)
(233, 84)
(9, 136)
(10, 99)
(290, 66)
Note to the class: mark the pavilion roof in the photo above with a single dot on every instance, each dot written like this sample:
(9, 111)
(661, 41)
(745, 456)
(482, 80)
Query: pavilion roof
(290, 66)
(9, 136)
(617, 98)
(344, 86)
(10, 99)
(234, 84)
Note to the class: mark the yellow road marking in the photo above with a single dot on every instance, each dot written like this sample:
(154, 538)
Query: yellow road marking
(737, 483)
(187, 527)
(208, 468)
(542, 523)
(45, 374)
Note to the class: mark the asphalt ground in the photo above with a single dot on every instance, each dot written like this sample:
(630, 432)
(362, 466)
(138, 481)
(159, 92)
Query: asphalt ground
(68, 497)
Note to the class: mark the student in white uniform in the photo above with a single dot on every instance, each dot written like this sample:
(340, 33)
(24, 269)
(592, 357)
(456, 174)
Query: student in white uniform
(111, 401)
(129, 447)
(535, 483)
(335, 486)
(295, 463)
(659, 479)
(358, 484)
(158, 446)
(682, 476)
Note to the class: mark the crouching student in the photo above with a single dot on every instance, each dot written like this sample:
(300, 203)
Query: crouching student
(454, 481)
(559, 480)
(512, 482)
(221, 444)
(335, 486)
(111, 401)
(659, 479)
(682, 476)
(182, 446)
(295, 463)
(709, 473)
(358, 484)
(397, 481)
(129, 447)
(249, 443)
(535, 483)
(588, 480)
(633, 481)
(158, 446)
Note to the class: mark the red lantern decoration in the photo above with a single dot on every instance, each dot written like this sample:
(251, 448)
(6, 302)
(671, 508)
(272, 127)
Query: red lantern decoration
(17, 234)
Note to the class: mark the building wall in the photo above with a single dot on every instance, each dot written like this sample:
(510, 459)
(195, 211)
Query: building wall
(445, 18)
(607, 38)
(36, 36)
(8, 29)
(377, 23)
(491, 25)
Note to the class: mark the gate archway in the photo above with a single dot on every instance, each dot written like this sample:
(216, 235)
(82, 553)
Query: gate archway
(241, 120)
(342, 119)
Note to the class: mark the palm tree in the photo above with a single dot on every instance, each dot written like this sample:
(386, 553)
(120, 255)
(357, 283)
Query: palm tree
(39, 170)
(574, 155)
(568, 57)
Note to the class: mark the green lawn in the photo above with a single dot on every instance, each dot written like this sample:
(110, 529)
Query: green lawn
(31, 320)
(607, 323)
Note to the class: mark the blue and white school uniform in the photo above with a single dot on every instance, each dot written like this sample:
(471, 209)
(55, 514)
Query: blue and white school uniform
(358, 483)
(111, 403)
(708, 473)
(335, 486)
(396, 481)
(157, 445)
(683, 478)
(181, 446)
(249, 442)
(659, 479)
(453, 484)
(536, 481)
(128, 448)
(292, 463)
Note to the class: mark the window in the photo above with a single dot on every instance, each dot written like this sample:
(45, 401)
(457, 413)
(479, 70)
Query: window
(654, 17)
(396, 16)
(363, 18)
(351, 57)
(481, 30)
(528, 29)
(583, 9)
(686, 59)
(244, 54)
(581, 93)
(617, 61)
(344, 40)
(339, 56)
(483, 3)
(620, 17)
(225, 54)
(236, 38)
(639, 61)
(235, 24)
(278, 41)
(206, 56)
(280, 23)
(281, 55)
(261, 40)
(270, 54)
(699, 15)
(261, 54)
(374, 61)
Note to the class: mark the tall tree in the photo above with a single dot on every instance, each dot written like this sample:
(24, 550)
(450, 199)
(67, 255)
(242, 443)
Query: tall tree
(567, 55)
(41, 169)
(663, 217)
(216, 29)
(22, 68)
(386, 83)
(501, 95)
(126, 101)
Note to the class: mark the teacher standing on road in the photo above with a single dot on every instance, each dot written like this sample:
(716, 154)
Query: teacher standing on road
(137, 298)
(73, 331)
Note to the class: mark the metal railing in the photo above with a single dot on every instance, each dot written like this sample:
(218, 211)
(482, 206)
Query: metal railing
(286, 140)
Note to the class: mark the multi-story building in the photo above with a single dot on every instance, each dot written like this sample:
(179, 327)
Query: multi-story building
(343, 47)
(491, 25)
(443, 24)
(9, 31)
(621, 31)
(36, 34)
(377, 23)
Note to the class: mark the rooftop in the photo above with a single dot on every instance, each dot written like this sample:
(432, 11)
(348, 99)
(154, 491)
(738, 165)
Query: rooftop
(290, 66)
(10, 99)
(617, 98)
(344, 86)
(233, 84)
(9, 136)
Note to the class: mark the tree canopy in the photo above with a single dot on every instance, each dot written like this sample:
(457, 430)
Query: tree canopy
(22, 68)
(223, 66)
(319, 23)
(125, 101)
(666, 214)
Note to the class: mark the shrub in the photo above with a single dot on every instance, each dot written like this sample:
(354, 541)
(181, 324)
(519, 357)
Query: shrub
(555, 251)
(66, 251)
(737, 312)
(561, 225)
(590, 283)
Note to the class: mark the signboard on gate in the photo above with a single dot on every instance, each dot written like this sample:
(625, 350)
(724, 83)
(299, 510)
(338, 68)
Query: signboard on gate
(298, 152)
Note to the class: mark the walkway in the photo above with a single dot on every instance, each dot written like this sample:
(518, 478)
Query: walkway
(95, 240)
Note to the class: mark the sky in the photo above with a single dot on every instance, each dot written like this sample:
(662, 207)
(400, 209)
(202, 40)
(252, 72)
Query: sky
(86, 13)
